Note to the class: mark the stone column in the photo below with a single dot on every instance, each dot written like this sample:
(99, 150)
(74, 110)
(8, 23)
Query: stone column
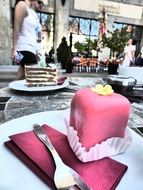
(61, 22)
(5, 33)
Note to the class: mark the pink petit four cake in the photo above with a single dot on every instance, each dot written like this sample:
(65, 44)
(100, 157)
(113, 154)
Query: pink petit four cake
(98, 114)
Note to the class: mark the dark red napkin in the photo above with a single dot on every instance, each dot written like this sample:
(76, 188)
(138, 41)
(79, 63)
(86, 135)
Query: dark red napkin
(61, 80)
(99, 175)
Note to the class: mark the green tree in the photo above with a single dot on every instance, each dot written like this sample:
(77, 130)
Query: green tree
(79, 46)
(116, 40)
(85, 47)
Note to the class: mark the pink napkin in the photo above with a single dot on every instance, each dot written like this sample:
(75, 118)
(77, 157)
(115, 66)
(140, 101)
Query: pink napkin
(102, 174)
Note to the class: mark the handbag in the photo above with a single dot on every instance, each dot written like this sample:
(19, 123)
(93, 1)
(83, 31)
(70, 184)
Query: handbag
(139, 61)
(132, 63)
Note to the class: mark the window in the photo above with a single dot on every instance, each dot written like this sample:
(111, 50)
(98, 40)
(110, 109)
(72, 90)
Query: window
(81, 26)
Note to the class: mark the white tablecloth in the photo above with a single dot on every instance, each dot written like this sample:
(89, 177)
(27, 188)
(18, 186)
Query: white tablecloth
(14, 175)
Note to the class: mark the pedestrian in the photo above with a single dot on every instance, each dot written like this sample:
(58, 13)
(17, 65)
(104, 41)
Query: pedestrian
(129, 53)
(24, 36)
(37, 7)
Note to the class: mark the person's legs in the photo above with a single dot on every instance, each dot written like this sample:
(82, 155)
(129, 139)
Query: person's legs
(20, 73)
(28, 59)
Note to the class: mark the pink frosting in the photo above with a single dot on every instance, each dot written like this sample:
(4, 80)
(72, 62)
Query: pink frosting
(97, 117)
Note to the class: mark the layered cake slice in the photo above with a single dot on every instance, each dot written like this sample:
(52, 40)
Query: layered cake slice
(39, 76)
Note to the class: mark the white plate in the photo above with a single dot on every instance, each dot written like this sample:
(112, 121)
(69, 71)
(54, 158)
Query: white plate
(14, 175)
(21, 85)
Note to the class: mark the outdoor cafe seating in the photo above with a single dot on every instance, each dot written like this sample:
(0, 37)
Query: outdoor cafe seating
(86, 65)
(95, 65)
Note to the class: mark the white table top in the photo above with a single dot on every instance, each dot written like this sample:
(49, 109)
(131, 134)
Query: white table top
(14, 175)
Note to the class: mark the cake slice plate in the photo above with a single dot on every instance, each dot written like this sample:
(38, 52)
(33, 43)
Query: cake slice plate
(21, 86)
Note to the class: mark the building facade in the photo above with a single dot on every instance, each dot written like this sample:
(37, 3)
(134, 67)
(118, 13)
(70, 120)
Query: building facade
(118, 11)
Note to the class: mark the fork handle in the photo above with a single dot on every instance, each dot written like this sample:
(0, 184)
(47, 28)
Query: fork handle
(56, 157)
(45, 139)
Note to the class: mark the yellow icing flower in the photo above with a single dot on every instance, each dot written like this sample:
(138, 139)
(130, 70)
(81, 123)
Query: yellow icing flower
(103, 90)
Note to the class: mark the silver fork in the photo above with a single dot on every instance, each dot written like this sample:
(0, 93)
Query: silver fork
(64, 177)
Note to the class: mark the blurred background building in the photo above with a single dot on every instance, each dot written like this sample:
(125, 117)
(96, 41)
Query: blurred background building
(77, 20)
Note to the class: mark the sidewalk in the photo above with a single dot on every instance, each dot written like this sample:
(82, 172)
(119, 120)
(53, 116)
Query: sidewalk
(7, 74)
(8, 68)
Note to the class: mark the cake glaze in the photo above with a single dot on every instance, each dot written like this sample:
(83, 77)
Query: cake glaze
(97, 118)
